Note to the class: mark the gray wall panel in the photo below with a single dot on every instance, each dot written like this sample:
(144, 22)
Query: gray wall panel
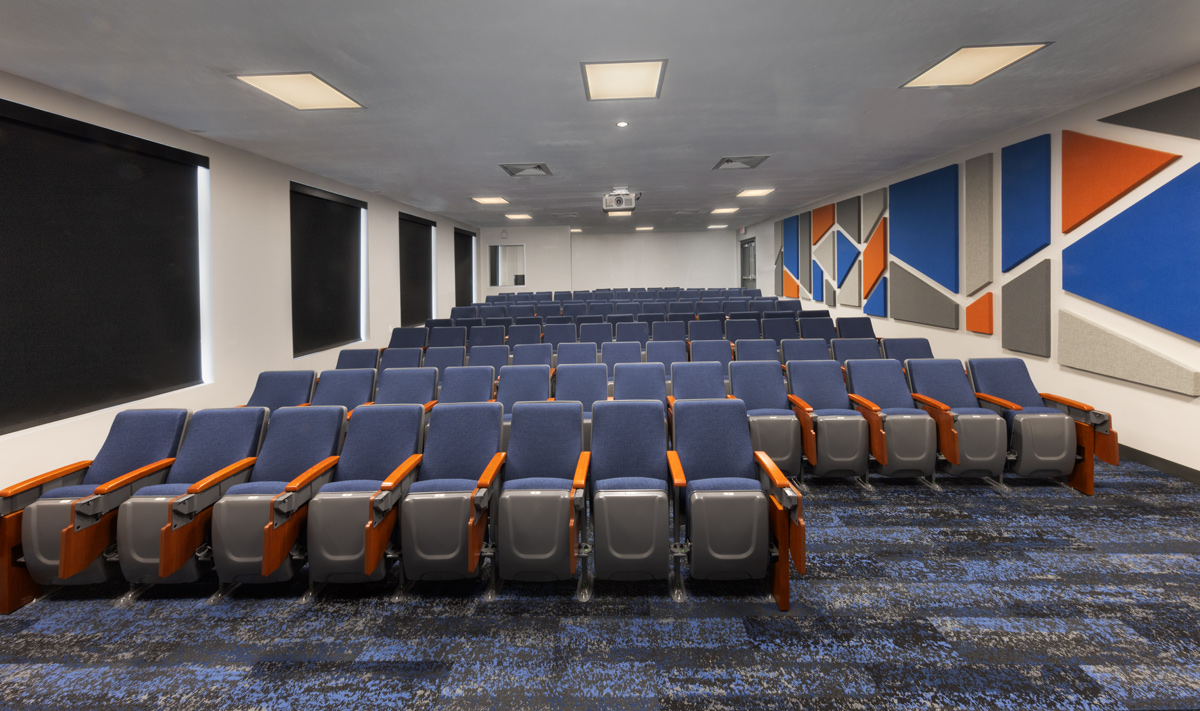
(978, 215)
(915, 301)
(1091, 347)
(851, 292)
(848, 218)
(805, 252)
(1025, 311)
(874, 204)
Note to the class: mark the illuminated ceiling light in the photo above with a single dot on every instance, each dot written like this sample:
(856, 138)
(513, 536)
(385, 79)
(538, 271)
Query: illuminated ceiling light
(717, 227)
(303, 91)
(643, 229)
(622, 124)
(606, 81)
(490, 200)
(521, 216)
(725, 210)
(621, 213)
(757, 192)
(971, 65)
(576, 229)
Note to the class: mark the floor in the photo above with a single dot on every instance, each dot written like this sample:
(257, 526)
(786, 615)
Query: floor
(1043, 599)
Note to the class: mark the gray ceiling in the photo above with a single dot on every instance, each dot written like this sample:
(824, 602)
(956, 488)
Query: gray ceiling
(452, 88)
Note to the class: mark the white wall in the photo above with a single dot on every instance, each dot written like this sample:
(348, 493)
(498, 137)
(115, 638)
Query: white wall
(1148, 419)
(251, 273)
(547, 258)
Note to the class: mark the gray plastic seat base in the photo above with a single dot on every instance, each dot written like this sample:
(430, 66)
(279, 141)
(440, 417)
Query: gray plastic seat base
(237, 533)
(778, 436)
(631, 535)
(433, 535)
(911, 445)
(1044, 443)
(842, 446)
(337, 538)
(139, 527)
(41, 540)
(982, 450)
(729, 535)
(532, 544)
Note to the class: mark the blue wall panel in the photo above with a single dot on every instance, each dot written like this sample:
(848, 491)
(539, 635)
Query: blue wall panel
(818, 290)
(877, 303)
(1143, 262)
(846, 254)
(791, 245)
(1024, 200)
(923, 222)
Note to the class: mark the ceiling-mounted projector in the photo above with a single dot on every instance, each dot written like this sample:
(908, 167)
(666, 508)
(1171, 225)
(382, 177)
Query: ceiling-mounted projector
(620, 199)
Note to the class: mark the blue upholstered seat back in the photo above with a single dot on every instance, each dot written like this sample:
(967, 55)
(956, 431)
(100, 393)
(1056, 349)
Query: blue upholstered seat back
(757, 349)
(447, 336)
(297, 439)
(378, 439)
(281, 388)
(669, 331)
(444, 357)
(713, 439)
(545, 440)
(615, 352)
(559, 333)
(576, 309)
(532, 354)
(712, 350)
(666, 352)
(821, 327)
(759, 384)
(486, 336)
(457, 312)
(1006, 378)
(490, 311)
(495, 356)
(880, 381)
(697, 380)
(637, 331)
(526, 333)
(412, 386)
(819, 383)
(462, 439)
(585, 383)
(779, 329)
(805, 349)
(597, 333)
(944, 380)
(400, 358)
(738, 329)
(903, 349)
(348, 388)
(357, 358)
(627, 307)
(629, 439)
(135, 439)
(705, 331)
(845, 349)
(569, 353)
(467, 384)
(215, 439)
(522, 382)
(855, 327)
(640, 381)
(413, 337)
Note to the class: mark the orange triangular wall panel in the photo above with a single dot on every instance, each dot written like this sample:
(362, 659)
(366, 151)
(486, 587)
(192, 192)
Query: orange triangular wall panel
(875, 257)
(822, 220)
(1096, 172)
(979, 315)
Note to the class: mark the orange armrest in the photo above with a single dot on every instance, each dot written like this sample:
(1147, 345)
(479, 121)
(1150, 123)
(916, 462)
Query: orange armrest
(126, 479)
(311, 475)
(677, 477)
(777, 478)
(998, 401)
(731, 397)
(926, 400)
(1068, 402)
(407, 467)
(863, 402)
(493, 468)
(209, 482)
(46, 478)
(304, 404)
(581, 470)
(670, 401)
(429, 405)
(797, 402)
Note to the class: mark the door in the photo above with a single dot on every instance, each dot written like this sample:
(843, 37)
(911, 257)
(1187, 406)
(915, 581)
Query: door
(416, 272)
(749, 273)
(464, 271)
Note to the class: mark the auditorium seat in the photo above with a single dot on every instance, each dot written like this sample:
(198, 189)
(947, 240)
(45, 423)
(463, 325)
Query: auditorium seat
(533, 354)
(485, 336)
(971, 438)
(817, 328)
(845, 349)
(774, 428)
(668, 353)
(444, 337)
(282, 388)
(556, 334)
(757, 349)
(705, 330)
(641, 381)
(669, 331)
(738, 329)
(521, 383)
(346, 388)
(903, 437)
(855, 327)
(458, 312)
(805, 349)
(635, 332)
(407, 386)
(903, 349)
(412, 337)
(574, 353)
(597, 333)
(779, 329)
(619, 318)
(466, 384)
(833, 435)
(585, 383)
(442, 358)
(400, 358)
(494, 356)
(527, 333)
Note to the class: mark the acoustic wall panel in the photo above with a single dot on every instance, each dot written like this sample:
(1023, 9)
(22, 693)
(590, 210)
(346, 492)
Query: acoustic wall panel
(875, 257)
(917, 302)
(1025, 312)
(1097, 172)
(818, 282)
(923, 221)
(791, 256)
(877, 304)
(822, 219)
(979, 315)
(848, 218)
(874, 205)
(830, 294)
(1024, 200)
(847, 256)
(851, 292)
(1174, 115)
(1143, 261)
(823, 253)
(804, 251)
(1091, 347)
(977, 214)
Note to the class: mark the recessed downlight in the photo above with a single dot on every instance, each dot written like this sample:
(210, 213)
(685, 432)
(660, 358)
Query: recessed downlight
(606, 81)
(725, 210)
(305, 91)
(971, 65)
(643, 229)
(717, 227)
(622, 124)
(521, 216)
(576, 229)
(490, 200)
(756, 192)
(621, 213)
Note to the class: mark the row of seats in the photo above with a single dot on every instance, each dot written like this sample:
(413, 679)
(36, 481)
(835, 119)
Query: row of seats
(667, 293)
(257, 494)
(633, 308)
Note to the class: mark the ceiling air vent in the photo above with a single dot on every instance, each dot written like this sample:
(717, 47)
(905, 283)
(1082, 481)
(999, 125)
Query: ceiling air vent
(739, 162)
(522, 170)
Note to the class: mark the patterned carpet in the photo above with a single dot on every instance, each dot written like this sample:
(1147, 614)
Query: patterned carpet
(914, 600)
